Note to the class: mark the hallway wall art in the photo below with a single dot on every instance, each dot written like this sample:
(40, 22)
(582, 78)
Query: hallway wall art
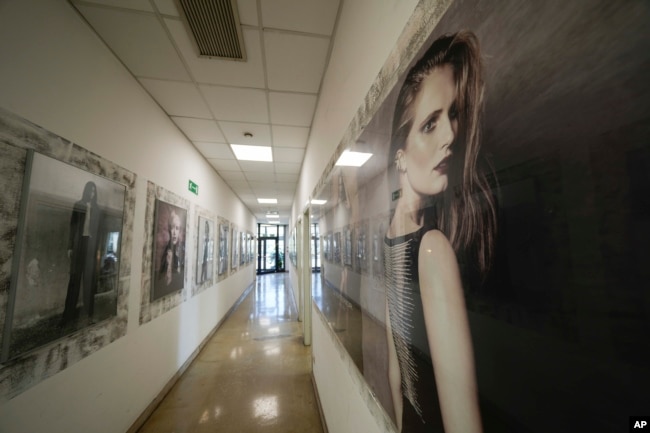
(507, 211)
(164, 284)
(66, 227)
(224, 238)
(205, 252)
(234, 244)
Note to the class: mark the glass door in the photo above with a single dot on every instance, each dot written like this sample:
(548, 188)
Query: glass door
(315, 248)
(268, 255)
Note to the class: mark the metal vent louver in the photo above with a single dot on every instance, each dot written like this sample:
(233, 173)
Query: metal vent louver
(214, 25)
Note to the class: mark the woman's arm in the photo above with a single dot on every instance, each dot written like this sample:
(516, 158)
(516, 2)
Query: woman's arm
(448, 334)
(394, 376)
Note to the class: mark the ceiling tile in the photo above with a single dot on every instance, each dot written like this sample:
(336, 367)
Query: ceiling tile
(249, 198)
(234, 132)
(140, 5)
(218, 71)
(244, 105)
(242, 189)
(247, 12)
(167, 7)
(285, 198)
(199, 129)
(214, 150)
(285, 187)
(287, 154)
(232, 175)
(240, 185)
(292, 109)
(256, 166)
(295, 62)
(224, 164)
(256, 176)
(290, 136)
(309, 16)
(139, 40)
(263, 187)
(285, 177)
(287, 167)
(177, 98)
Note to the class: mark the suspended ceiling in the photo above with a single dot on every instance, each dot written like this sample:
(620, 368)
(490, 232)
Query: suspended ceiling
(271, 95)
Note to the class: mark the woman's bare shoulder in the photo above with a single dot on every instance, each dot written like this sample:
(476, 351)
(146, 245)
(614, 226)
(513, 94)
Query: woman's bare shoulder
(434, 243)
(437, 263)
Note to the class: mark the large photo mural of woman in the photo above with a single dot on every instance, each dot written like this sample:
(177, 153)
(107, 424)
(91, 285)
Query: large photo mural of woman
(509, 178)
(444, 208)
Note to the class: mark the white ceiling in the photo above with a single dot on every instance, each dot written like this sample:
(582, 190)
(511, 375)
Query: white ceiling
(271, 95)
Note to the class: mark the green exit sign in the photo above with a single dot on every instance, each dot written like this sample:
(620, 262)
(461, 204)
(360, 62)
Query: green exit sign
(193, 187)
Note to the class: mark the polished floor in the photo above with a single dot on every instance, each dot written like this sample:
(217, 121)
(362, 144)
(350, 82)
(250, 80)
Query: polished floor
(254, 375)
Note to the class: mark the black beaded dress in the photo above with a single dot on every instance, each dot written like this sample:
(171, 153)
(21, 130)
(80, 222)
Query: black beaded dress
(419, 396)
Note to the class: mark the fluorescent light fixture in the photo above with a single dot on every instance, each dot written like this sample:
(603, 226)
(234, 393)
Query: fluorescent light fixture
(353, 159)
(267, 200)
(314, 201)
(252, 153)
(272, 216)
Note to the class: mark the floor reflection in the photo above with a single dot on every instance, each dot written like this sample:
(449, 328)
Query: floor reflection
(253, 375)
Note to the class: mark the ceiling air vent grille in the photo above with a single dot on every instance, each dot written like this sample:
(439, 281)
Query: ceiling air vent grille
(214, 25)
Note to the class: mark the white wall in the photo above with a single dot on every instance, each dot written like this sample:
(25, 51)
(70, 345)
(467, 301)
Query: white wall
(367, 32)
(56, 73)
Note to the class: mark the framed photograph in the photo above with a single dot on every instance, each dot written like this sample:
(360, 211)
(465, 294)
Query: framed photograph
(169, 249)
(249, 248)
(242, 248)
(235, 248)
(67, 251)
(205, 251)
(360, 256)
(224, 235)
(347, 256)
(336, 247)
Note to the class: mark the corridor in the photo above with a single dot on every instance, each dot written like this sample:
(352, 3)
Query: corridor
(253, 375)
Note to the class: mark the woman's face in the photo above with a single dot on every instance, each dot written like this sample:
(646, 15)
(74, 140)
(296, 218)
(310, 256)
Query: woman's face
(175, 229)
(435, 124)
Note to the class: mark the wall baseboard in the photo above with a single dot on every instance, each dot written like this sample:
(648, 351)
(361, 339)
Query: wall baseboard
(144, 416)
(320, 407)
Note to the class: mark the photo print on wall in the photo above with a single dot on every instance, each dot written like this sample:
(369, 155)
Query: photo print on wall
(205, 251)
(67, 255)
(169, 249)
(507, 190)
(66, 229)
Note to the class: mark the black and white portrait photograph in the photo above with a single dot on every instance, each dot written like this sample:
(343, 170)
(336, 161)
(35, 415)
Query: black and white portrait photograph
(169, 249)
(235, 248)
(205, 251)
(224, 236)
(507, 200)
(68, 253)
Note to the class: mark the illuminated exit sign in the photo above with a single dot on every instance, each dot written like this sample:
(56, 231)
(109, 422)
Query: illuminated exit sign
(193, 187)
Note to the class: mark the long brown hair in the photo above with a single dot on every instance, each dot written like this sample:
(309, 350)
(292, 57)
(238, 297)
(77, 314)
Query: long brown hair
(465, 213)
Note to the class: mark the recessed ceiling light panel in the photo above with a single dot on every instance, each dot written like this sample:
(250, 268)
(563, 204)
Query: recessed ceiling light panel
(353, 159)
(314, 201)
(244, 152)
(267, 200)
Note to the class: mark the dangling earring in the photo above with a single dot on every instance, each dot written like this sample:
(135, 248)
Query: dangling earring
(398, 164)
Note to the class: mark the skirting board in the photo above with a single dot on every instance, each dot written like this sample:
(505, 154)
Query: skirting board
(144, 416)
(320, 407)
